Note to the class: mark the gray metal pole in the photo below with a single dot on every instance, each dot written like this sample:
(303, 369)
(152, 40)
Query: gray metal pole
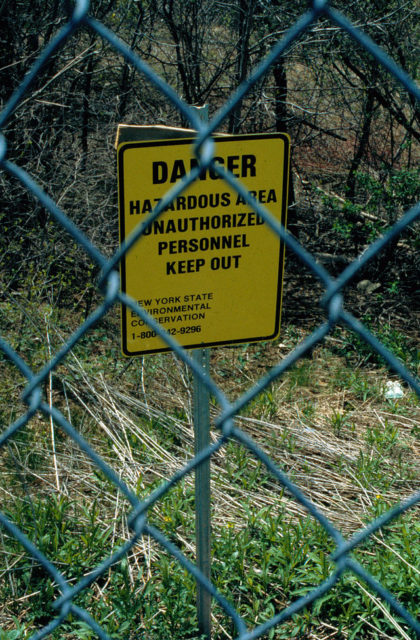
(202, 492)
(201, 411)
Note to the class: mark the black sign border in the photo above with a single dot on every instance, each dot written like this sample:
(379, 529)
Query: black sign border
(285, 189)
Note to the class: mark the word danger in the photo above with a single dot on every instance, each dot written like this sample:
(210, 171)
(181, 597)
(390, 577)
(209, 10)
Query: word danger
(241, 167)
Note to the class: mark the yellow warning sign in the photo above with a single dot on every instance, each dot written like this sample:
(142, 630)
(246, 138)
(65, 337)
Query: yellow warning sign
(209, 270)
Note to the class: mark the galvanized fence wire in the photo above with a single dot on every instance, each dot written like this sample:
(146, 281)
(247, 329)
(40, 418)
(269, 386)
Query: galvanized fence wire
(332, 302)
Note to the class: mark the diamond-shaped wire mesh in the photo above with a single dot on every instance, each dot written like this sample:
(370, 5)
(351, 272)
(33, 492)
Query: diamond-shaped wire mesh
(225, 422)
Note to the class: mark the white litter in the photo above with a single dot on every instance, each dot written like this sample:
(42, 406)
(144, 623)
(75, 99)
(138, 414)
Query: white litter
(393, 390)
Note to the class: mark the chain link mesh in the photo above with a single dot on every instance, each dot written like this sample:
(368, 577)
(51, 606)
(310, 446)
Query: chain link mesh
(332, 302)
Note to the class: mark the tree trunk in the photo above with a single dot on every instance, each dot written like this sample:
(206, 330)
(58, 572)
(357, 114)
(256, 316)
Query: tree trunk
(368, 111)
(280, 110)
(244, 26)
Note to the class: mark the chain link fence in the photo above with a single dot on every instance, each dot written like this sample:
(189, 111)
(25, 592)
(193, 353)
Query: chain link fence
(109, 283)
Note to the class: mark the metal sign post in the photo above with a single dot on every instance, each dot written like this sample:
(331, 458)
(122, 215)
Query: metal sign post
(201, 416)
(202, 492)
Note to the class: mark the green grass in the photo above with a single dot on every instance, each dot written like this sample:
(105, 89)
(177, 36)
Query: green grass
(262, 567)
(326, 423)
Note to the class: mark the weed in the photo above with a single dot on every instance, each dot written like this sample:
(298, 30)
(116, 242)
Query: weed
(340, 423)
(358, 352)
(300, 375)
(385, 200)
(264, 405)
(309, 410)
(363, 386)
(18, 633)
